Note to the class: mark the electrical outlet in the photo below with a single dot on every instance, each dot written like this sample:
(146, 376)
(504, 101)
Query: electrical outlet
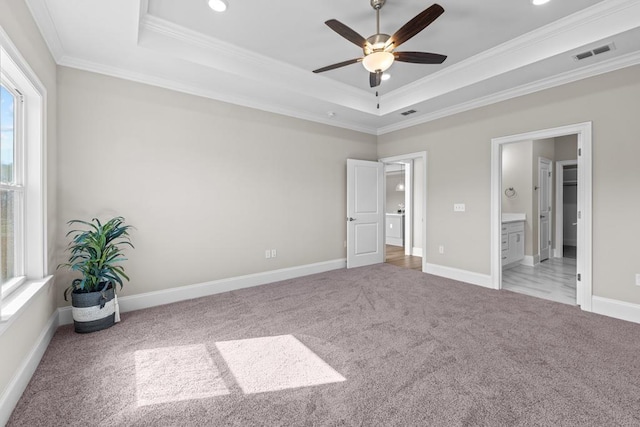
(458, 207)
(267, 254)
(273, 253)
(441, 249)
(637, 279)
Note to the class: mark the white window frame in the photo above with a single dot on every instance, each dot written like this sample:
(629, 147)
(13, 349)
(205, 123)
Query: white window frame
(17, 187)
(18, 75)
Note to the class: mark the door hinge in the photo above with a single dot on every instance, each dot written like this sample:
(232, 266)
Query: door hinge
(549, 174)
(549, 242)
(579, 151)
(579, 214)
(579, 277)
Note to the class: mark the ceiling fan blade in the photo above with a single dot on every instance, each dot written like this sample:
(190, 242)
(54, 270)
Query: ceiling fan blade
(375, 78)
(338, 65)
(420, 57)
(417, 24)
(346, 32)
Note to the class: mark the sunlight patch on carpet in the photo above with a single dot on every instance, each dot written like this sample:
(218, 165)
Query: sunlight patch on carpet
(275, 363)
(172, 374)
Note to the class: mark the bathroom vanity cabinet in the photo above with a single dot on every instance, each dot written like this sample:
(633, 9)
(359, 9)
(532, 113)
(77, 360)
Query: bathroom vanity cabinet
(512, 242)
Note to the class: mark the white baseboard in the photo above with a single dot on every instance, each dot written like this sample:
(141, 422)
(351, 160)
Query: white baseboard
(530, 260)
(615, 308)
(416, 252)
(460, 275)
(21, 378)
(181, 293)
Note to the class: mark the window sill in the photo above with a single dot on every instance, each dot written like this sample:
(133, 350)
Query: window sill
(11, 285)
(17, 302)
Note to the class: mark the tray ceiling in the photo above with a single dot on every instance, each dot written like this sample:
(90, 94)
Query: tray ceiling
(260, 54)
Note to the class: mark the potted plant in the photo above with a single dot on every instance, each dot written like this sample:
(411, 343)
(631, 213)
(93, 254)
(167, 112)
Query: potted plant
(95, 251)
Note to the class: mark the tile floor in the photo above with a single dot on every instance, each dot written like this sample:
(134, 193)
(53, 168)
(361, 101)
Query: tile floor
(553, 279)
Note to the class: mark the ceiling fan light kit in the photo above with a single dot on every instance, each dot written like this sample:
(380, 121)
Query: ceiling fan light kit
(378, 49)
(378, 61)
(218, 5)
(539, 2)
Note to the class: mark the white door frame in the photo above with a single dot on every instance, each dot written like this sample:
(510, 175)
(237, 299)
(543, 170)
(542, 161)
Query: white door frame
(408, 207)
(558, 251)
(584, 291)
(412, 156)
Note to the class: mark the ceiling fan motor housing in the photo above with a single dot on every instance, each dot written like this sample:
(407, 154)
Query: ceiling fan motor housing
(376, 43)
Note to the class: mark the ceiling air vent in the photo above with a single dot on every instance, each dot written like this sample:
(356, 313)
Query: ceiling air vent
(593, 52)
(406, 113)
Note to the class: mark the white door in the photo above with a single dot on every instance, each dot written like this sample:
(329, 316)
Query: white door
(544, 207)
(365, 213)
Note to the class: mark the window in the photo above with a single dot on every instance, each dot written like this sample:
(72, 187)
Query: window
(23, 261)
(11, 189)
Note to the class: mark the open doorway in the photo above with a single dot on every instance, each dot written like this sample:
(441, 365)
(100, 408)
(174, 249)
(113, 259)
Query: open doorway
(516, 212)
(405, 207)
(529, 263)
(398, 215)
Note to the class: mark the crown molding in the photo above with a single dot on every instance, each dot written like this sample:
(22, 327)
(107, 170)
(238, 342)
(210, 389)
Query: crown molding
(171, 84)
(604, 19)
(44, 22)
(195, 47)
(588, 71)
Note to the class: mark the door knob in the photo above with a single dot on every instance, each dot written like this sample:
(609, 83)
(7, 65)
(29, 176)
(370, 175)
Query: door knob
(351, 219)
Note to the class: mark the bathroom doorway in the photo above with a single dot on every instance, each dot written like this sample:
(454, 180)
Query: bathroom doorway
(508, 193)
(530, 265)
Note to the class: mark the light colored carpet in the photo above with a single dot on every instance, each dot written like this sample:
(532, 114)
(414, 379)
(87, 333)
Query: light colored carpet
(370, 346)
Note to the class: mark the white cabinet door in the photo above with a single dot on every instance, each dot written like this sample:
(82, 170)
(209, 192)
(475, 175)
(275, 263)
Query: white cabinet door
(516, 246)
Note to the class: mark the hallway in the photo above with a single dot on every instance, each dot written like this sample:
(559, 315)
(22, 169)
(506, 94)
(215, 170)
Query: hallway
(396, 256)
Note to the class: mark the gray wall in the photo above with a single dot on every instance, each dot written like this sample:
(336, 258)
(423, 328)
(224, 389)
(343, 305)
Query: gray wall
(208, 185)
(19, 339)
(459, 171)
(517, 173)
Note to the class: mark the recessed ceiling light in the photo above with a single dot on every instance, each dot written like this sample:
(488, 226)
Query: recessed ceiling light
(386, 76)
(218, 5)
(539, 2)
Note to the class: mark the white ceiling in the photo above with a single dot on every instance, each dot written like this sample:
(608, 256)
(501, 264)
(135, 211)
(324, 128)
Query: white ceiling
(261, 54)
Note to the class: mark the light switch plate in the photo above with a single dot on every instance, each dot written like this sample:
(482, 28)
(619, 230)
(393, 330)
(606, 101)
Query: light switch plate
(458, 207)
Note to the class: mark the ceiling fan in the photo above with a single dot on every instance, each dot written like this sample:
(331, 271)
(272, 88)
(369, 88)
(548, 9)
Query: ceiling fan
(379, 48)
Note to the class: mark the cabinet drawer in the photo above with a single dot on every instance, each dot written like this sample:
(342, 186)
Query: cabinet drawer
(505, 242)
(513, 227)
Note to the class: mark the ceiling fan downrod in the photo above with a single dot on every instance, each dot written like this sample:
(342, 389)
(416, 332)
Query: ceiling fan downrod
(377, 5)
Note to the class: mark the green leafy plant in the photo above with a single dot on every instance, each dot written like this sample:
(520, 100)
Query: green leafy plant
(96, 252)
